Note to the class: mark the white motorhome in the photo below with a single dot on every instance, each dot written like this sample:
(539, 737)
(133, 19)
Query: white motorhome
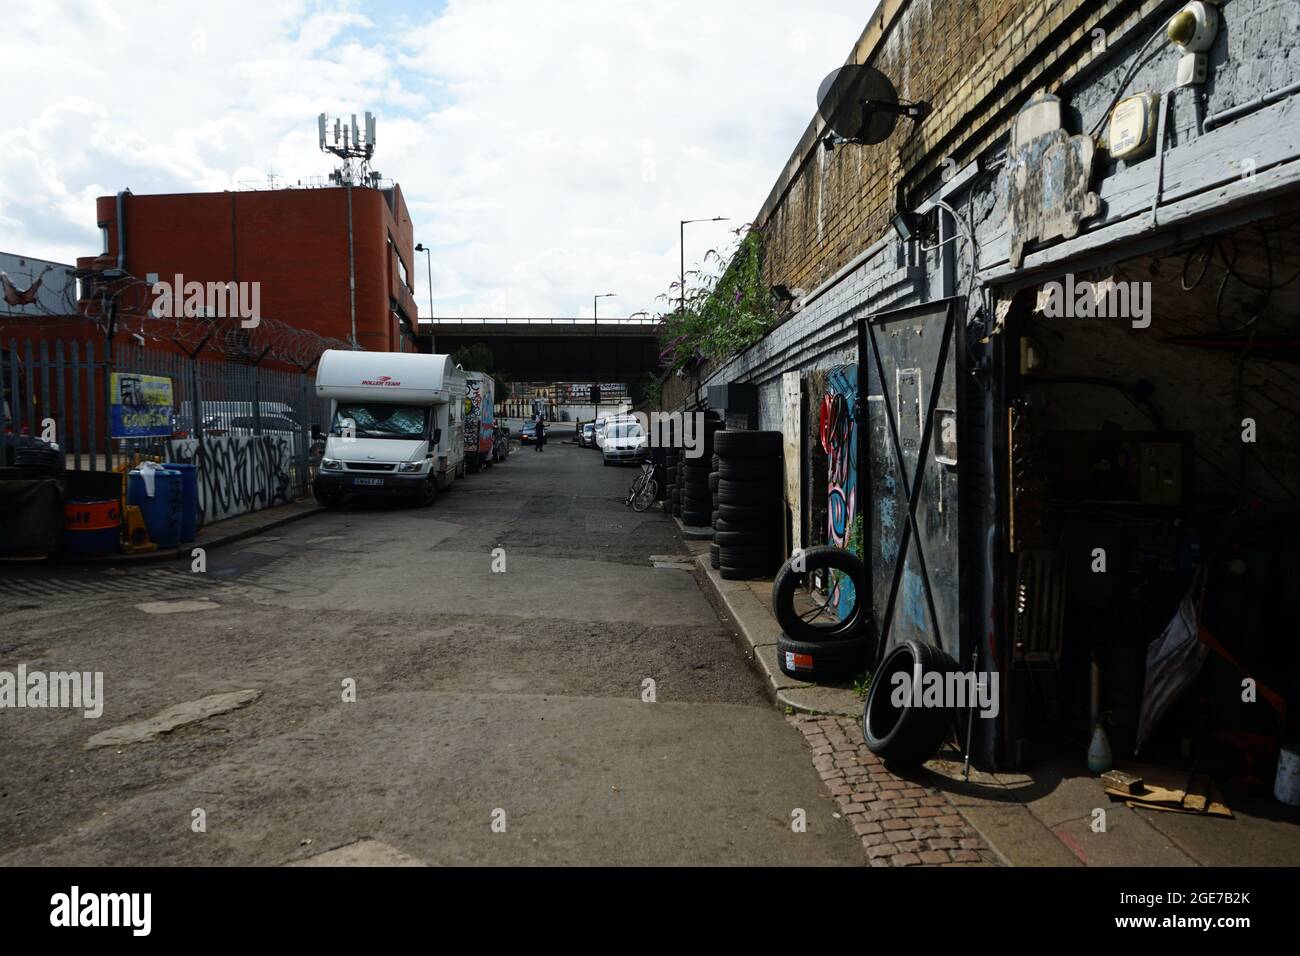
(396, 424)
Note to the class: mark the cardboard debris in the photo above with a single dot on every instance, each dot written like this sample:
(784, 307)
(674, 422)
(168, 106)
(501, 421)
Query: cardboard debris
(1118, 780)
(1166, 788)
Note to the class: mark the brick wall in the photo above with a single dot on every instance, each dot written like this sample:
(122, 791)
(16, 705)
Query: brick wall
(976, 63)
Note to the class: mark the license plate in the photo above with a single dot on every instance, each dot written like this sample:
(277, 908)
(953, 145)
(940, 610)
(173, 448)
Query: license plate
(368, 481)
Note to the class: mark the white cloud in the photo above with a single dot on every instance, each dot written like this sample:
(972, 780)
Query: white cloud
(547, 149)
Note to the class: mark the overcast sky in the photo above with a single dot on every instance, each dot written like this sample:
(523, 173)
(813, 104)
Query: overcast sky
(546, 148)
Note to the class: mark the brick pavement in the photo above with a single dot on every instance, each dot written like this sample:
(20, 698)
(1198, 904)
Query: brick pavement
(901, 821)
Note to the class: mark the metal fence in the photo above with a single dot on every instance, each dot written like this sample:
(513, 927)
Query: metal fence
(247, 429)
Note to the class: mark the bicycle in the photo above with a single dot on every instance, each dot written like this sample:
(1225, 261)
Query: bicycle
(644, 489)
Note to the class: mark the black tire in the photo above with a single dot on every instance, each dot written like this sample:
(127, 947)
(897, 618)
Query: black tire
(746, 539)
(751, 469)
(822, 660)
(696, 519)
(909, 735)
(747, 527)
(714, 562)
(749, 493)
(429, 493)
(766, 556)
(327, 499)
(748, 515)
(857, 624)
(713, 482)
(704, 504)
(742, 444)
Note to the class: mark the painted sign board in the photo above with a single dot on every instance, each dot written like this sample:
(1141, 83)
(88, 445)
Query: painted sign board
(141, 405)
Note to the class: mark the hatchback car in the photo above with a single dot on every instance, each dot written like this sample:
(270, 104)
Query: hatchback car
(624, 442)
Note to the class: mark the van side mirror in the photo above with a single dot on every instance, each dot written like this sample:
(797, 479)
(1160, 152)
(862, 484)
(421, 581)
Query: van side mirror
(437, 436)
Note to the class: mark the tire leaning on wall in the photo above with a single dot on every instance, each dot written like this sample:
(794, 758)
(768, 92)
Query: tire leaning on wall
(818, 661)
(857, 624)
(905, 736)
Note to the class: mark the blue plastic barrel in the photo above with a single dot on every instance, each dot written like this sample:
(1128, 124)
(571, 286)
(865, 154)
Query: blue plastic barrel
(189, 500)
(162, 512)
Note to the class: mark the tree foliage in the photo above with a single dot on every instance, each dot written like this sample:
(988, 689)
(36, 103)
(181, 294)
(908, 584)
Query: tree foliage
(730, 308)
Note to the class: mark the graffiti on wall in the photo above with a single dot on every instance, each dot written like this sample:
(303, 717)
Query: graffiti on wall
(237, 473)
(473, 413)
(839, 439)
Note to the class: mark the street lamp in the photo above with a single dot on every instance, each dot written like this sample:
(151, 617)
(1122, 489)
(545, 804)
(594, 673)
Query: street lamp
(595, 330)
(682, 232)
(428, 261)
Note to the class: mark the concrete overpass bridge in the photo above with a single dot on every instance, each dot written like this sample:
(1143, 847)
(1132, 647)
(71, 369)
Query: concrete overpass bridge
(557, 350)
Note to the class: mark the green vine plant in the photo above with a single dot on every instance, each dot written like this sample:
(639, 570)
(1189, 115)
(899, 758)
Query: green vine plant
(728, 310)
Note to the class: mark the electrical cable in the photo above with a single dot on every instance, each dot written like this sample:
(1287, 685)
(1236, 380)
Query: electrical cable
(1128, 77)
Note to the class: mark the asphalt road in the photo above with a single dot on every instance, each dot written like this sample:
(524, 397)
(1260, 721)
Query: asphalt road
(498, 717)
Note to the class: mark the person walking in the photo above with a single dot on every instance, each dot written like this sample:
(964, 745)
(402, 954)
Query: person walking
(539, 432)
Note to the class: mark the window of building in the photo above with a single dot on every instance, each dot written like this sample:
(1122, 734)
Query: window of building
(401, 267)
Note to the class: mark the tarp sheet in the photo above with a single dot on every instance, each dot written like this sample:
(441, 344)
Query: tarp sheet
(31, 517)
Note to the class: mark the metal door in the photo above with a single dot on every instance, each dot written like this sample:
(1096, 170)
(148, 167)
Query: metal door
(908, 467)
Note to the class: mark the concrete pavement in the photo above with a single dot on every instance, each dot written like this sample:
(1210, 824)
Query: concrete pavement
(498, 717)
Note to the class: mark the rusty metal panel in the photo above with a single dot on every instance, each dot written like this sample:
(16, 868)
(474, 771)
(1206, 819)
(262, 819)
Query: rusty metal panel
(1049, 173)
(908, 468)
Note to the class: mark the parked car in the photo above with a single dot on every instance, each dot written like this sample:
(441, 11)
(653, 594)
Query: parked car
(598, 433)
(528, 434)
(587, 437)
(625, 441)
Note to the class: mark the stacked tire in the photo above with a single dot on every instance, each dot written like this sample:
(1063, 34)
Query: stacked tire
(659, 456)
(670, 487)
(693, 472)
(750, 512)
(822, 647)
(715, 549)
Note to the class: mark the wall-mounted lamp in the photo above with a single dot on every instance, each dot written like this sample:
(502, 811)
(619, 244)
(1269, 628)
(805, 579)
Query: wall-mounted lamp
(1192, 30)
(907, 226)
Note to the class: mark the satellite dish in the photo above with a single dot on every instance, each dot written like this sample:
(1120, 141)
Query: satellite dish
(859, 104)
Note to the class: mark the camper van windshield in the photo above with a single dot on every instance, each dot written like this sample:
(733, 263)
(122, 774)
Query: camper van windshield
(380, 420)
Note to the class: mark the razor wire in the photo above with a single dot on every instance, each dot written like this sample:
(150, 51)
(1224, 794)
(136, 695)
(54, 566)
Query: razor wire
(126, 302)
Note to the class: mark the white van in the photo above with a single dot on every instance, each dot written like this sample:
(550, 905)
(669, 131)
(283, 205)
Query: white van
(396, 424)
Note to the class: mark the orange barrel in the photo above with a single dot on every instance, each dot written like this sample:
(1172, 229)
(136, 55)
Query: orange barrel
(91, 526)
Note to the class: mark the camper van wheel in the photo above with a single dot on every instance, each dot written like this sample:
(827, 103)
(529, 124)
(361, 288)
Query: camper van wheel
(327, 499)
(429, 493)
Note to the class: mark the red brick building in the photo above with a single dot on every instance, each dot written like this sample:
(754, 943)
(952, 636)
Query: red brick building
(293, 242)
